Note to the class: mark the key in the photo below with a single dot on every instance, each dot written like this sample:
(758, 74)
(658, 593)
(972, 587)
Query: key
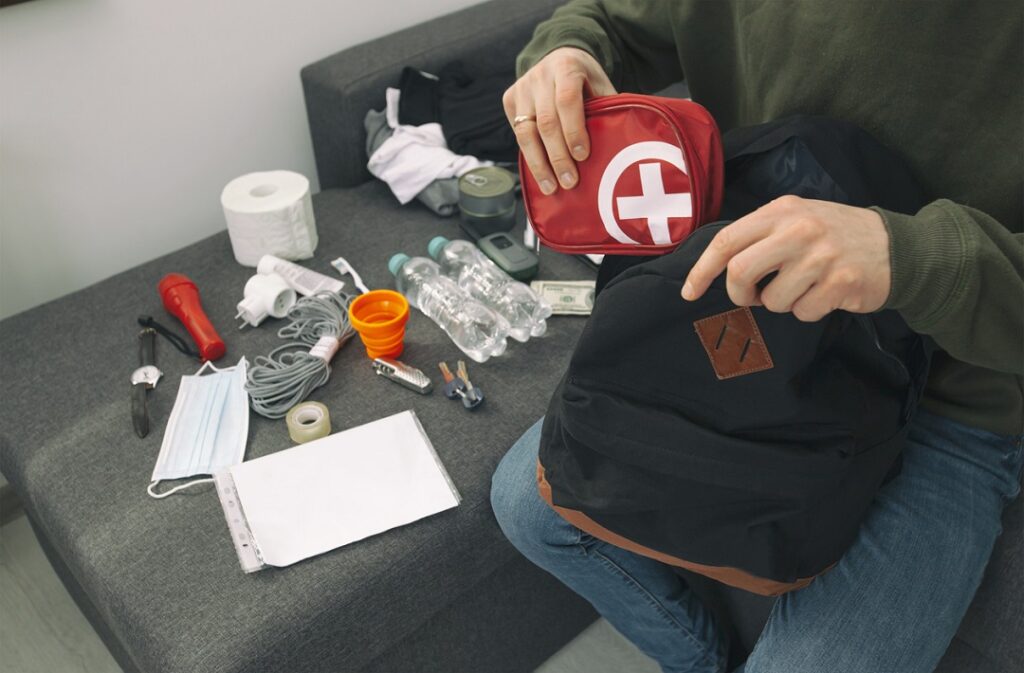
(472, 397)
(453, 386)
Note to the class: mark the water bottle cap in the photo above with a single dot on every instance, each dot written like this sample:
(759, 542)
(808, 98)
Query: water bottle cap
(396, 262)
(436, 245)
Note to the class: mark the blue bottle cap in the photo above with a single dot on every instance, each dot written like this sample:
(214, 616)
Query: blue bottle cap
(396, 262)
(435, 246)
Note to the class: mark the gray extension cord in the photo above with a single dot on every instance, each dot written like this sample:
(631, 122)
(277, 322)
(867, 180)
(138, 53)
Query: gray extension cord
(280, 380)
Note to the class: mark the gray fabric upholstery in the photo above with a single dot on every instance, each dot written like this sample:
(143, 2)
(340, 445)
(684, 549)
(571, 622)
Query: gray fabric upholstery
(83, 601)
(993, 628)
(525, 643)
(962, 658)
(160, 580)
(162, 575)
(341, 88)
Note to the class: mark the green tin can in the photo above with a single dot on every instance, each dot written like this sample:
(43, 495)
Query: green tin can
(487, 200)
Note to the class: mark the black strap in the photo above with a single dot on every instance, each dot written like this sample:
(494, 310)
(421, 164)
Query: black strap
(140, 416)
(176, 340)
(147, 347)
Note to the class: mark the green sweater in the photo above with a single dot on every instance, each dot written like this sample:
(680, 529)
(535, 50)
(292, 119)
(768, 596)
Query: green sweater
(940, 82)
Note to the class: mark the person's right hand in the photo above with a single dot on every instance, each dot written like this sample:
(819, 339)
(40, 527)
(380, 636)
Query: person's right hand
(548, 103)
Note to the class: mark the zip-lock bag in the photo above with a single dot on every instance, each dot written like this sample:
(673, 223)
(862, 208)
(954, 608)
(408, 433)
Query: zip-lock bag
(654, 174)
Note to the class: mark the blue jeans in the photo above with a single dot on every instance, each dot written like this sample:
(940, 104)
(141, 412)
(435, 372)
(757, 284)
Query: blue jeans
(892, 604)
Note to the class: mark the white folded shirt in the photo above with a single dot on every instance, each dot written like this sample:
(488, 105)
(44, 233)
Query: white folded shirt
(415, 156)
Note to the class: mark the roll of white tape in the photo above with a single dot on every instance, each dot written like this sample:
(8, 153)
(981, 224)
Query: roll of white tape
(269, 213)
(308, 421)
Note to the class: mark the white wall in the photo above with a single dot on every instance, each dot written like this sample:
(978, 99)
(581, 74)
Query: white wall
(122, 120)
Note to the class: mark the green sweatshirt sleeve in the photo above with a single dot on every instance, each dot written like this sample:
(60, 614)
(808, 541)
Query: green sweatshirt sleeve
(634, 41)
(958, 276)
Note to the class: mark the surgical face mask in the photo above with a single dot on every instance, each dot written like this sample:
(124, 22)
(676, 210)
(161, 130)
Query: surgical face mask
(208, 427)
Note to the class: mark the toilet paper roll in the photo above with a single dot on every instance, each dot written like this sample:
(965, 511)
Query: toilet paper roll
(269, 213)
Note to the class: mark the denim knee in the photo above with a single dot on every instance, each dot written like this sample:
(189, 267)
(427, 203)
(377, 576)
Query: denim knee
(527, 521)
(509, 495)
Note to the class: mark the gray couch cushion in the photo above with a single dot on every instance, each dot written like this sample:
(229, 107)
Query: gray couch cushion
(163, 574)
(340, 89)
(993, 628)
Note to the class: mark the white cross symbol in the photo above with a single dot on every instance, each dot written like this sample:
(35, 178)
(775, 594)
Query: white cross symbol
(654, 204)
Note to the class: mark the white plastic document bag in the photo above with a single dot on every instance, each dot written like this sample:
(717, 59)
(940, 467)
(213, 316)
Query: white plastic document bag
(327, 493)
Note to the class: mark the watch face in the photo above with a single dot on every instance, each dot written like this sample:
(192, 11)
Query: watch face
(148, 375)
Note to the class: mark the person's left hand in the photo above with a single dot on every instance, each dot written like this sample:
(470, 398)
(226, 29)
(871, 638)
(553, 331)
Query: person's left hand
(828, 256)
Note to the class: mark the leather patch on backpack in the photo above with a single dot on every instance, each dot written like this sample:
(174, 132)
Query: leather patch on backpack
(733, 343)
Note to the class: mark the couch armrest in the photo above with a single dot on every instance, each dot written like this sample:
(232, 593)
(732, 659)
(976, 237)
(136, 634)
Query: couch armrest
(341, 88)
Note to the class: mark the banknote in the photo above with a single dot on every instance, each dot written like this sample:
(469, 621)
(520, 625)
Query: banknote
(567, 297)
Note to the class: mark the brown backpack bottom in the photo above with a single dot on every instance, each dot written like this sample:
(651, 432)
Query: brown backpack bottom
(724, 574)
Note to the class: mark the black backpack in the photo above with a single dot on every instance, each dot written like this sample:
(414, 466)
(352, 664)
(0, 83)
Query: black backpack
(738, 443)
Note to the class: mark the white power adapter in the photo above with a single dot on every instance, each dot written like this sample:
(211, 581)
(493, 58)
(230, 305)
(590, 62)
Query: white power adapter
(265, 294)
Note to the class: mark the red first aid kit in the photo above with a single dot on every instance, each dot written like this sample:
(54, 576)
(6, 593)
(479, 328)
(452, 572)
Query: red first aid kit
(654, 174)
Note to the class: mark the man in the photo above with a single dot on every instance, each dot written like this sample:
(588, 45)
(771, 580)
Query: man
(941, 83)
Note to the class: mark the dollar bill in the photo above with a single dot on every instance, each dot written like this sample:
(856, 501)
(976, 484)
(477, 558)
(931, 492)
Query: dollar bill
(567, 297)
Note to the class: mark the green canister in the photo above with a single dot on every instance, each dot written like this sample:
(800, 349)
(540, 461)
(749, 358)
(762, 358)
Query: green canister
(487, 200)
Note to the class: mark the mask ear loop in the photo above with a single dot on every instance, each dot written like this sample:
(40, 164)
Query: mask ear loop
(203, 368)
(241, 362)
(190, 484)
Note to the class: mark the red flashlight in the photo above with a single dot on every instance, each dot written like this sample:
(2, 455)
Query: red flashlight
(181, 299)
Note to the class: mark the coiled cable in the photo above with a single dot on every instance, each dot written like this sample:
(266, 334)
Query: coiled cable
(318, 326)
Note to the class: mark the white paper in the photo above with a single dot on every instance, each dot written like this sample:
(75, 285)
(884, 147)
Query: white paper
(315, 497)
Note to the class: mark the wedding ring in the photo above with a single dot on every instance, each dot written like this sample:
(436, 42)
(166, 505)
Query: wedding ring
(521, 118)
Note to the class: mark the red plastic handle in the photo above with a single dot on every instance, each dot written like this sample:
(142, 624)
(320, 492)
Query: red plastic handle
(181, 299)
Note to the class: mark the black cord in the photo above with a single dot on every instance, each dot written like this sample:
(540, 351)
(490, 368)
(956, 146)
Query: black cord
(176, 340)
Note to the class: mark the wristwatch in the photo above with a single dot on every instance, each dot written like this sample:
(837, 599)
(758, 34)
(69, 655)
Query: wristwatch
(144, 378)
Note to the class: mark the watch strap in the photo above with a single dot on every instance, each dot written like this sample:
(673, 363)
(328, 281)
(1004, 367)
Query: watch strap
(147, 347)
(140, 416)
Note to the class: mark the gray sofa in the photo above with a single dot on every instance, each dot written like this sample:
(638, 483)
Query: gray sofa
(159, 579)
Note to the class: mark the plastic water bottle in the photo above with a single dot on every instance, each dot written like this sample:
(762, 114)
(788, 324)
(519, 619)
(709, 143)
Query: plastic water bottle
(463, 262)
(476, 329)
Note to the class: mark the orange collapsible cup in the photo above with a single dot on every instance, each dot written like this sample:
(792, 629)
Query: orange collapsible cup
(380, 316)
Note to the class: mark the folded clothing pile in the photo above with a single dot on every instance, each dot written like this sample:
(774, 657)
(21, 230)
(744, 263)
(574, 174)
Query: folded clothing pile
(434, 130)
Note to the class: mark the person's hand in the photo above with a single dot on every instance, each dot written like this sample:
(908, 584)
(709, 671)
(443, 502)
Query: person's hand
(828, 256)
(545, 109)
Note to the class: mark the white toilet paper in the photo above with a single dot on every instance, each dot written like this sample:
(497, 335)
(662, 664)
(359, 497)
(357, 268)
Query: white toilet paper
(269, 213)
